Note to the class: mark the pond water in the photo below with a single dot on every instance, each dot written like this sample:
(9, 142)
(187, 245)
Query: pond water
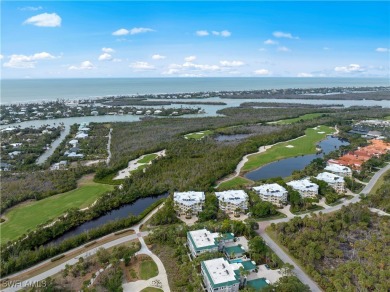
(135, 209)
(285, 167)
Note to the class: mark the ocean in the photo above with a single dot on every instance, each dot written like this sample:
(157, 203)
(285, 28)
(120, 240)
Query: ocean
(37, 90)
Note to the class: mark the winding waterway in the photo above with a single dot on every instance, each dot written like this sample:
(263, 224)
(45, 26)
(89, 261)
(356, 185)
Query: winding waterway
(135, 209)
(285, 167)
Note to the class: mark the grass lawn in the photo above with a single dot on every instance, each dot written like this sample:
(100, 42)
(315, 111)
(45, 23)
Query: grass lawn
(379, 182)
(235, 183)
(198, 135)
(148, 269)
(296, 120)
(387, 118)
(151, 289)
(29, 215)
(301, 146)
(147, 158)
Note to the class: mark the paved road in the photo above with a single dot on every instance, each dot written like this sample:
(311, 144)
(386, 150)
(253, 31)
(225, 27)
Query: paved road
(57, 269)
(301, 275)
(373, 180)
(285, 257)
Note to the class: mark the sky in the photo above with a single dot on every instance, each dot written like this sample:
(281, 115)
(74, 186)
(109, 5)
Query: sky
(75, 39)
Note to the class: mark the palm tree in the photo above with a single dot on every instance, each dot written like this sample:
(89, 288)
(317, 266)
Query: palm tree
(243, 274)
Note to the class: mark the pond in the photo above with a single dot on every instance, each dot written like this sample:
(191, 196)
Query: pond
(135, 209)
(285, 167)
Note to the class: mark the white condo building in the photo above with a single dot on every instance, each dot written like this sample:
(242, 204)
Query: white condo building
(219, 275)
(340, 170)
(335, 181)
(229, 201)
(273, 193)
(305, 187)
(188, 202)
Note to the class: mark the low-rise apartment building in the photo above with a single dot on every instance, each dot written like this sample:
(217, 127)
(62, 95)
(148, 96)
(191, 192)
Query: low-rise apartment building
(335, 181)
(188, 202)
(305, 187)
(230, 201)
(272, 193)
(340, 170)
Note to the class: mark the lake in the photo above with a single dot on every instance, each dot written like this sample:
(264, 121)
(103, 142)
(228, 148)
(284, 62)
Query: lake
(285, 167)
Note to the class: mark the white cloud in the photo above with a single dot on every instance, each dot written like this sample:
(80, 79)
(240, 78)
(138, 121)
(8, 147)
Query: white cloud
(304, 75)
(105, 57)
(326, 48)
(121, 31)
(31, 8)
(283, 49)
(190, 58)
(137, 30)
(116, 60)
(108, 50)
(141, 66)
(133, 31)
(262, 72)
(383, 50)
(202, 33)
(45, 20)
(171, 71)
(231, 63)
(86, 65)
(280, 34)
(223, 33)
(25, 62)
(158, 57)
(1, 57)
(352, 68)
(270, 42)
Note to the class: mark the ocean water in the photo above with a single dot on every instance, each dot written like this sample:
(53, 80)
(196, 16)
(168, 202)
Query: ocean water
(30, 90)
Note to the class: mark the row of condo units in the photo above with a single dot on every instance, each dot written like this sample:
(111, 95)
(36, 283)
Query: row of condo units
(356, 158)
(192, 202)
(223, 273)
(237, 200)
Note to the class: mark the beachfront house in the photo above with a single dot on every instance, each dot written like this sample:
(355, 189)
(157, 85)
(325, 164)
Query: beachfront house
(219, 275)
(272, 193)
(305, 187)
(335, 181)
(188, 203)
(233, 201)
(339, 170)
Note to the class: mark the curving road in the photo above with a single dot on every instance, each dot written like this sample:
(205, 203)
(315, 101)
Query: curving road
(162, 272)
(302, 276)
(18, 285)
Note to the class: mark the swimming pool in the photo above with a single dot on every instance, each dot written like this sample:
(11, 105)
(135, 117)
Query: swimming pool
(235, 261)
(258, 283)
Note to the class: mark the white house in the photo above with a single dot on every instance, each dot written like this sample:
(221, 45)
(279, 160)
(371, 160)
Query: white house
(305, 187)
(273, 193)
(340, 170)
(219, 275)
(188, 202)
(335, 181)
(201, 241)
(81, 135)
(230, 200)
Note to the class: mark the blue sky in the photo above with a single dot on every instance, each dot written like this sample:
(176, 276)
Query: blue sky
(55, 39)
